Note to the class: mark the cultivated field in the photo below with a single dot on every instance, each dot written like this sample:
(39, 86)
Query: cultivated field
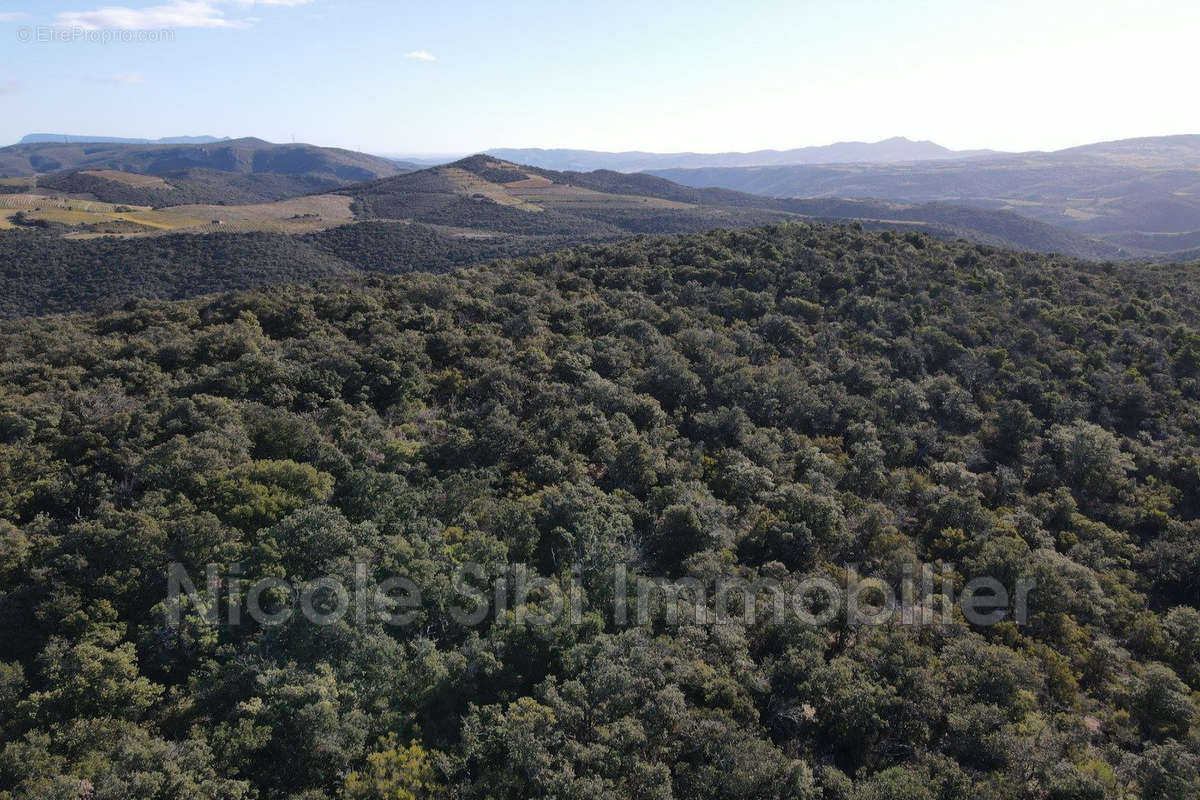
(471, 185)
(295, 215)
(93, 218)
(564, 197)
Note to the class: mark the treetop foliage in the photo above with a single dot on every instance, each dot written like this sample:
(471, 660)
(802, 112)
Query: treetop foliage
(766, 402)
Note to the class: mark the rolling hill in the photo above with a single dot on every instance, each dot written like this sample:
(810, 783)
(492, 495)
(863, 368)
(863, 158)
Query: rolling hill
(433, 219)
(490, 194)
(487, 193)
(186, 187)
(231, 171)
(499, 197)
(69, 253)
(247, 156)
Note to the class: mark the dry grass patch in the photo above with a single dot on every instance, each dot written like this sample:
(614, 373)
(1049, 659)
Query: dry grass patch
(295, 215)
(566, 197)
(129, 178)
(474, 186)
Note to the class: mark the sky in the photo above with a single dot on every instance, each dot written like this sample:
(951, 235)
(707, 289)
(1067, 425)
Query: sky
(659, 75)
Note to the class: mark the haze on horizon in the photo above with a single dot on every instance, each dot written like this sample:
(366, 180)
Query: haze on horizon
(677, 76)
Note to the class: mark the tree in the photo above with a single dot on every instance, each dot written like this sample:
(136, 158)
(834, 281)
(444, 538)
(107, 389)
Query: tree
(393, 772)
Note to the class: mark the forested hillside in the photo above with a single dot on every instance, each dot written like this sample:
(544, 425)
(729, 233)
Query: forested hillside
(45, 274)
(481, 192)
(245, 156)
(189, 186)
(227, 171)
(773, 403)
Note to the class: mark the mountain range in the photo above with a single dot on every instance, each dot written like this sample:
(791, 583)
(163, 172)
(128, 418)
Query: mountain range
(64, 138)
(890, 150)
(1116, 200)
(1133, 193)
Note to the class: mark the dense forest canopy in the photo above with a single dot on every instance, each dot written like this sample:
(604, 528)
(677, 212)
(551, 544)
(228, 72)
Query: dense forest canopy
(46, 274)
(771, 403)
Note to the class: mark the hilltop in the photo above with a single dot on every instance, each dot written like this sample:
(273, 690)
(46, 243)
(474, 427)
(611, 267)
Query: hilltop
(487, 193)
(234, 171)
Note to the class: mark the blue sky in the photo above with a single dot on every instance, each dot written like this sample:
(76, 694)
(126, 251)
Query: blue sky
(448, 77)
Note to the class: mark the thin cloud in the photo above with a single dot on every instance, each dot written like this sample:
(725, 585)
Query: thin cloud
(119, 78)
(177, 14)
(12, 16)
(9, 87)
(173, 14)
(421, 55)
